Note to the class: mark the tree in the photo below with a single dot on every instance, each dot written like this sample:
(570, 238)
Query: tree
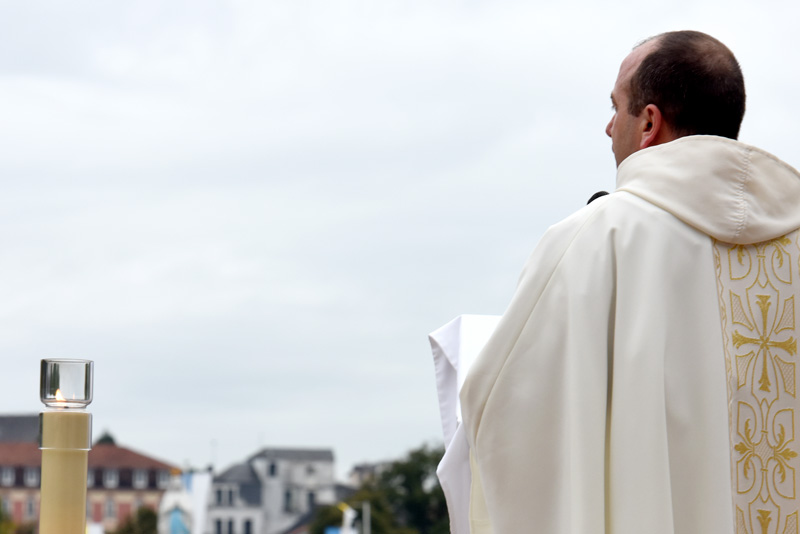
(6, 525)
(105, 439)
(404, 499)
(413, 491)
(145, 521)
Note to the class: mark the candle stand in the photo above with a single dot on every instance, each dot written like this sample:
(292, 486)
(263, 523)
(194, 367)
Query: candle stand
(65, 440)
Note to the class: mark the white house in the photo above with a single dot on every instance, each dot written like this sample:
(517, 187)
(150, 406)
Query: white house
(270, 491)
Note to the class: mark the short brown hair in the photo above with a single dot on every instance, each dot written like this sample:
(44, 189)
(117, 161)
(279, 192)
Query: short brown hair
(696, 83)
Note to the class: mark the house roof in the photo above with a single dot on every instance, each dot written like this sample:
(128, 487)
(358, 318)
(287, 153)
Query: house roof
(343, 491)
(114, 456)
(25, 454)
(239, 473)
(246, 479)
(297, 455)
(243, 473)
(19, 428)
(101, 456)
(301, 526)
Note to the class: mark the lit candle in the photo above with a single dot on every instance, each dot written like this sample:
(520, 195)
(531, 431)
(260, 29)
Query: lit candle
(66, 430)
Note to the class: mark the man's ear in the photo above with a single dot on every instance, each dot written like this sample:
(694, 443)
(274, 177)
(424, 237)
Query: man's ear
(653, 127)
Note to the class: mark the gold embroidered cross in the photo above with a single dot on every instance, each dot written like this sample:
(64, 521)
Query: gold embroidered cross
(763, 341)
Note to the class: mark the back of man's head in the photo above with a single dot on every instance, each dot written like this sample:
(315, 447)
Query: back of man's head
(696, 83)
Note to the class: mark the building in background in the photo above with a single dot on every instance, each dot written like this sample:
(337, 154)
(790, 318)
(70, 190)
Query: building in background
(19, 467)
(19, 480)
(271, 491)
(184, 505)
(120, 480)
(19, 428)
(363, 473)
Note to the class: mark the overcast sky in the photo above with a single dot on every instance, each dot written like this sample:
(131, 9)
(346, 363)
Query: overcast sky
(251, 214)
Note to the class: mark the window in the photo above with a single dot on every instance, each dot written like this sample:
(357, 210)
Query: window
(139, 478)
(31, 476)
(7, 476)
(287, 501)
(230, 497)
(90, 478)
(111, 478)
(248, 527)
(162, 479)
(230, 526)
(218, 526)
(312, 498)
(110, 508)
(273, 469)
(30, 508)
(219, 498)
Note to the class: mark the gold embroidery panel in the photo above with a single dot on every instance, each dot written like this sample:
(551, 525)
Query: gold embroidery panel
(754, 284)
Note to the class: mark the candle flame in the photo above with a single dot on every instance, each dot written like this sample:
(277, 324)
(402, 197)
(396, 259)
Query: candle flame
(59, 396)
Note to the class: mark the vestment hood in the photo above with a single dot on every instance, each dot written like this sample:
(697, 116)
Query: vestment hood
(733, 192)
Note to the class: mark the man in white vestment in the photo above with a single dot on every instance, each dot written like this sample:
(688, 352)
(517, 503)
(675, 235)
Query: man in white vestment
(644, 378)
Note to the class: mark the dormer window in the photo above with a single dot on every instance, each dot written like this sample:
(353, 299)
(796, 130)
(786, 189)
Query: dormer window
(139, 478)
(31, 477)
(7, 476)
(110, 478)
(273, 469)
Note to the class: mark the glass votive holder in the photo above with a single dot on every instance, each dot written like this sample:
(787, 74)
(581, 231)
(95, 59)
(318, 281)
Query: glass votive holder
(66, 383)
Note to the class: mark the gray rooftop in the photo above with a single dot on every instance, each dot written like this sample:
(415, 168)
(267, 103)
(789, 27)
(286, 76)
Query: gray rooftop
(246, 479)
(239, 473)
(19, 428)
(297, 455)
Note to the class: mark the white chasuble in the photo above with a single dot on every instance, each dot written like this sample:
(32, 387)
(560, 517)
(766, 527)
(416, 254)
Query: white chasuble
(643, 378)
